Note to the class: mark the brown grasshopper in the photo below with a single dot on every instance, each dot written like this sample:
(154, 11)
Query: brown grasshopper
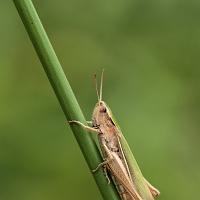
(118, 158)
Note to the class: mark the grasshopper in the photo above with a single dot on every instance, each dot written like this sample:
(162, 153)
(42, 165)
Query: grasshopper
(118, 158)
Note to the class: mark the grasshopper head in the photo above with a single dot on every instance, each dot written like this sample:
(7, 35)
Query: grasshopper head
(100, 113)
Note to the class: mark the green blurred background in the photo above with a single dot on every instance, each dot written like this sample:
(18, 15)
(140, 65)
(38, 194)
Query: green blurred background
(150, 52)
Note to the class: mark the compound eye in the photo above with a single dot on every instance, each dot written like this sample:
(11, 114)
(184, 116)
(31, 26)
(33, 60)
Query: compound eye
(103, 110)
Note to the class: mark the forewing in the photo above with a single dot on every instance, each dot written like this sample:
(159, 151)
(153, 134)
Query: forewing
(118, 170)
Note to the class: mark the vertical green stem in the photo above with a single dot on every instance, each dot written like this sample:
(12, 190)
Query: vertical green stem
(63, 92)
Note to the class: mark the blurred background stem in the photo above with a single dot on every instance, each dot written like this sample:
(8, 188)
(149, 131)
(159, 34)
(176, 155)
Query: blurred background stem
(63, 92)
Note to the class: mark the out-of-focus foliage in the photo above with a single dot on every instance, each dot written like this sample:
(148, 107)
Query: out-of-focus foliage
(150, 51)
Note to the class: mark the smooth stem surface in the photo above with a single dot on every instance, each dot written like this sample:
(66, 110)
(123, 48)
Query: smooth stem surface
(63, 92)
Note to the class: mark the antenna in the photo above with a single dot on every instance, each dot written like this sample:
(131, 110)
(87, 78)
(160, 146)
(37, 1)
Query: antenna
(101, 85)
(95, 80)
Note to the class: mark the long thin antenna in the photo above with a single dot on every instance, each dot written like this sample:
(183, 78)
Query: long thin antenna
(96, 86)
(101, 85)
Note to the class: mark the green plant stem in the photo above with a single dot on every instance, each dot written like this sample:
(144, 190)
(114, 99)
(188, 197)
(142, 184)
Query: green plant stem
(63, 92)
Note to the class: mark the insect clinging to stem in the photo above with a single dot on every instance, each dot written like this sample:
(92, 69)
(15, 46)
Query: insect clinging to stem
(117, 156)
